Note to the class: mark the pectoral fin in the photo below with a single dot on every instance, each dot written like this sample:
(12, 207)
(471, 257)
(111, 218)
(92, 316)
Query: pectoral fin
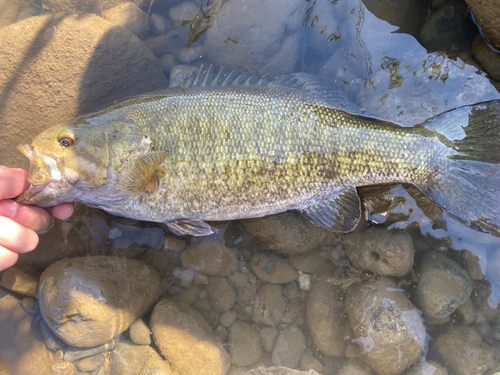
(191, 227)
(142, 177)
(339, 213)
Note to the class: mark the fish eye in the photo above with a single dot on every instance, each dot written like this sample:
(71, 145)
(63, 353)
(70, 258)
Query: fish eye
(66, 140)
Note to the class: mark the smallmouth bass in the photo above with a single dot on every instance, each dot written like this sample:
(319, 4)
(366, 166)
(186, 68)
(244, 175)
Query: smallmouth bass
(230, 146)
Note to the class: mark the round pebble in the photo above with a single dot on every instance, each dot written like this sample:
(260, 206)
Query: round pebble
(244, 344)
(227, 318)
(288, 348)
(269, 306)
(272, 269)
(140, 333)
(387, 326)
(442, 287)
(213, 259)
(221, 294)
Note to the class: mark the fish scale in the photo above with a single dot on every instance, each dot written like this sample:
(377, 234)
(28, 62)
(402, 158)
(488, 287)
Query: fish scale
(206, 152)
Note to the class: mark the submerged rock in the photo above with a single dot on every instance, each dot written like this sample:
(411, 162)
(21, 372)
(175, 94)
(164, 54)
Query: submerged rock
(129, 359)
(20, 336)
(48, 77)
(140, 333)
(386, 325)
(326, 318)
(272, 269)
(90, 300)
(287, 233)
(427, 368)
(244, 344)
(462, 349)
(487, 15)
(288, 347)
(129, 16)
(18, 281)
(383, 252)
(212, 258)
(88, 6)
(187, 341)
(269, 306)
(257, 34)
(443, 286)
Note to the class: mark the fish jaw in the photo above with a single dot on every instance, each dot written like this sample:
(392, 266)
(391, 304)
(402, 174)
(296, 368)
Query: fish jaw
(47, 185)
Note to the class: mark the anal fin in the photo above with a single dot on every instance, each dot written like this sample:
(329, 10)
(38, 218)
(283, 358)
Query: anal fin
(142, 176)
(191, 227)
(339, 213)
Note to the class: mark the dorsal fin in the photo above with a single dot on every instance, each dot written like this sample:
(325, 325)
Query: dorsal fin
(224, 77)
(142, 177)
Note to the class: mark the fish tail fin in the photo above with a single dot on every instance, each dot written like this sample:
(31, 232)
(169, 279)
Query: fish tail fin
(468, 185)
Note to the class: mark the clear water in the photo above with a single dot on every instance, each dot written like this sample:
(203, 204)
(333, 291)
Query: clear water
(379, 64)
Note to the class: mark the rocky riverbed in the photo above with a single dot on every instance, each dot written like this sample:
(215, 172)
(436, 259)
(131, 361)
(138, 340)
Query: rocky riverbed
(410, 291)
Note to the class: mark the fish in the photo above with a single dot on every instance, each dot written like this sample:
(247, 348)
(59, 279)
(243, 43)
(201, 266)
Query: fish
(229, 145)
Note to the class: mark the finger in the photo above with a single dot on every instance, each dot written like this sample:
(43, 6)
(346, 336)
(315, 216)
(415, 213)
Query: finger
(35, 218)
(7, 258)
(62, 211)
(16, 237)
(13, 182)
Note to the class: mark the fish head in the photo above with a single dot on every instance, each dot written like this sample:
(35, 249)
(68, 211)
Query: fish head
(66, 161)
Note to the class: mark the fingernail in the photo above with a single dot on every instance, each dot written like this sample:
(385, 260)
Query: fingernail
(8, 208)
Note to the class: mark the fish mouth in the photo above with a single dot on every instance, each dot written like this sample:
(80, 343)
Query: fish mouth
(46, 183)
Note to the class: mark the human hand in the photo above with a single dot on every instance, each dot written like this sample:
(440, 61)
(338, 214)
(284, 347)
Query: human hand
(19, 223)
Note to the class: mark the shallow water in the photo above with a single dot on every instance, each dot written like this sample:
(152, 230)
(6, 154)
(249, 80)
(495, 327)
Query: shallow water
(370, 52)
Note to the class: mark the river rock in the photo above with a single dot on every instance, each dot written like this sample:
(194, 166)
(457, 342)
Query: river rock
(129, 16)
(272, 269)
(57, 66)
(355, 367)
(20, 336)
(279, 370)
(187, 341)
(87, 301)
(465, 313)
(383, 252)
(487, 15)
(258, 35)
(325, 317)
(244, 344)
(212, 258)
(140, 333)
(90, 364)
(288, 347)
(426, 368)
(129, 359)
(267, 337)
(487, 58)
(86, 6)
(269, 306)
(18, 281)
(221, 294)
(442, 287)
(463, 351)
(287, 233)
(309, 362)
(471, 262)
(386, 325)
(227, 318)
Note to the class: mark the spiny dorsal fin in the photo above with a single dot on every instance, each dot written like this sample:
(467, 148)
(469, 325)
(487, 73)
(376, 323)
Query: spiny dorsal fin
(142, 176)
(339, 213)
(224, 77)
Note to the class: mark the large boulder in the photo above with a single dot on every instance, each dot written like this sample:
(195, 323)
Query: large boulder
(88, 301)
(55, 67)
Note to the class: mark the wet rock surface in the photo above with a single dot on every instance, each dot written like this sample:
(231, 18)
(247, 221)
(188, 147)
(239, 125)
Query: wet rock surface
(288, 347)
(382, 252)
(129, 16)
(88, 301)
(325, 316)
(443, 286)
(18, 281)
(244, 344)
(487, 15)
(269, 306)
(176, 327)
(264, 36)
(462, 349)
(272, 269)
(211, 258)
(287, 233)
(106, 64)
(387, 326)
